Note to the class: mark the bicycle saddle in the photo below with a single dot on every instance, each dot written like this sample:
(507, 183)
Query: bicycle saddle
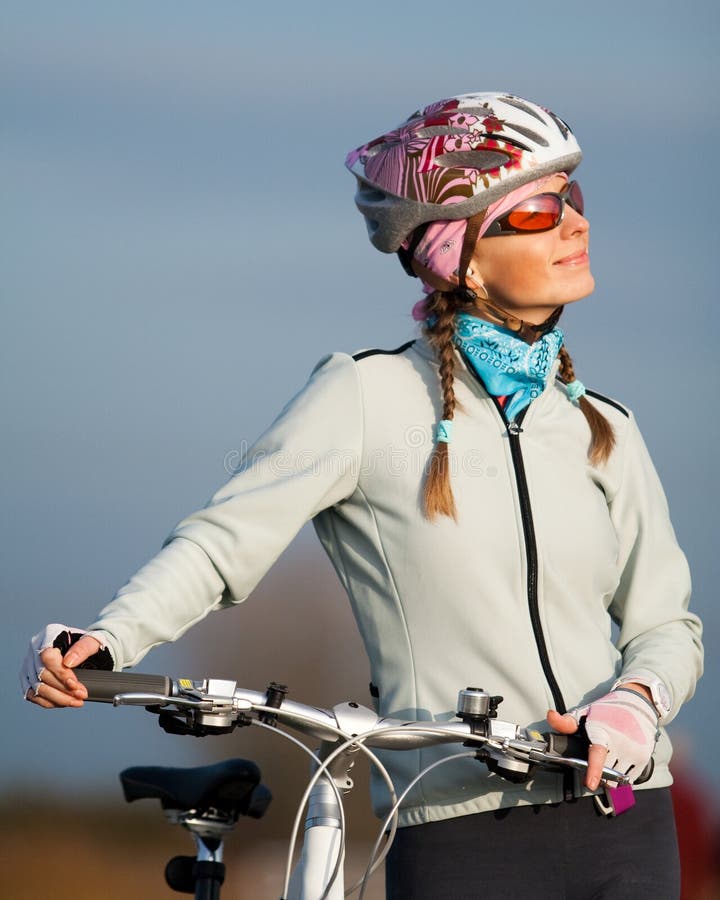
(231, 786)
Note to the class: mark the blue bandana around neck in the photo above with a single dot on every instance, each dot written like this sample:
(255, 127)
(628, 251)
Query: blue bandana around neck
(507, 365)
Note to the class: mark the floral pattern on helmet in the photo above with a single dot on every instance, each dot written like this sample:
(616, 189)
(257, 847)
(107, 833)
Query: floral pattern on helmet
(405, 162)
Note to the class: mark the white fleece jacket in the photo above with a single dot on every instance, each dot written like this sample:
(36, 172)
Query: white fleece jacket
(518, 596)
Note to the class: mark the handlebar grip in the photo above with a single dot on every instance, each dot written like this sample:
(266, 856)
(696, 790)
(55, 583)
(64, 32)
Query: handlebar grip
(102, 686)
(576, 745)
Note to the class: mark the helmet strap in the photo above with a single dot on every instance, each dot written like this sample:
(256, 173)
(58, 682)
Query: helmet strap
(406, 254)
(472, 233)
(526, 331)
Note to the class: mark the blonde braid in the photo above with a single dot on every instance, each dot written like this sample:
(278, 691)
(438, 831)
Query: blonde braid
(602, 440)
(438, 495)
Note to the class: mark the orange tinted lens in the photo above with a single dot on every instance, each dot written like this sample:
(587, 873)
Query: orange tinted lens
(537, 213)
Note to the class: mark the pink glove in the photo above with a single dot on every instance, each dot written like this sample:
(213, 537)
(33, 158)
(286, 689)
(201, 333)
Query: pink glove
(626, 724)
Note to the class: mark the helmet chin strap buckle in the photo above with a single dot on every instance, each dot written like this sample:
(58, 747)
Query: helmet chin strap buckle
(526, 331)
(465, 295)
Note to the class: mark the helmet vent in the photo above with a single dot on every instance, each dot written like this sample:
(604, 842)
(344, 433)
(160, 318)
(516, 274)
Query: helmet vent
(521, 105)
(564, 128)
(538, 139)
(439, 131)
(483, 160)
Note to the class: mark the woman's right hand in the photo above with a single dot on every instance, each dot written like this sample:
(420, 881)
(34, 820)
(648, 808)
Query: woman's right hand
(46, 677)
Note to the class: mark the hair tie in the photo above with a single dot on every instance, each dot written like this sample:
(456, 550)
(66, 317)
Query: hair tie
(575, 390)
(444, 431)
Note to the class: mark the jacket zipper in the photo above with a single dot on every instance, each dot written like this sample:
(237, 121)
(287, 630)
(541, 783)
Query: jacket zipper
(514, 430)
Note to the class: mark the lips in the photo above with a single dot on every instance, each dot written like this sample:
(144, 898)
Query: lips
(580, 258)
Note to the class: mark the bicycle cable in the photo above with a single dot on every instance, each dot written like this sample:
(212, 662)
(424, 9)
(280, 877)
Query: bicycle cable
(375, 859)
(360, 740)
(338, 751)
(338, 799)
(322, 770)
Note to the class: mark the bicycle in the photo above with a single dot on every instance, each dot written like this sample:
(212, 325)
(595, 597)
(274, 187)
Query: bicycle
(209, 800)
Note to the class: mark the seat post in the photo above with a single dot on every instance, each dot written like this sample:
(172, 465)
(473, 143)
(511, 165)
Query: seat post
(209, 869)
(203, 875)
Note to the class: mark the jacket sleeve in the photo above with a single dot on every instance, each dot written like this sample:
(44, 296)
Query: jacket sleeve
(308, 460)
(658, 637)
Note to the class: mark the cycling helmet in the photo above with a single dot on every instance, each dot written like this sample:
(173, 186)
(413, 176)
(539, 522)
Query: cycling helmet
(453, 159)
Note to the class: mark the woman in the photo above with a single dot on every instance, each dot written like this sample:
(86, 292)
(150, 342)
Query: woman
(488, 516)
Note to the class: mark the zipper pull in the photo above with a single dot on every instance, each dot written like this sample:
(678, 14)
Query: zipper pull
(514, 428)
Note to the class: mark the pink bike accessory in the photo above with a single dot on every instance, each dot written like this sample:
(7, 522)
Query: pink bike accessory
(619, 800)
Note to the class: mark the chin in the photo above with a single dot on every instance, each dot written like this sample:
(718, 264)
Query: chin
(574, 300)
(579, 291)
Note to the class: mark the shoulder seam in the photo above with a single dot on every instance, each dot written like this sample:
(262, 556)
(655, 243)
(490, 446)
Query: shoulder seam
(609, 401)
(358, 356)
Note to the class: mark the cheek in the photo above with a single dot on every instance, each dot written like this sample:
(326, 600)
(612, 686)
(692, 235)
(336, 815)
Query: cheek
(515, 275)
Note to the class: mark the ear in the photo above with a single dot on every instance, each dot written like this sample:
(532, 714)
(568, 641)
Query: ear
(474, 280)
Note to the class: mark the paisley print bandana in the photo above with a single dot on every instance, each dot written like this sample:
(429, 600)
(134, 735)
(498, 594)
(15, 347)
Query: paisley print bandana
(507, 365)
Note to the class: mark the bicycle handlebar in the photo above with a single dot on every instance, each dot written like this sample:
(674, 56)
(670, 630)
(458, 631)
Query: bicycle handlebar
(215, 706)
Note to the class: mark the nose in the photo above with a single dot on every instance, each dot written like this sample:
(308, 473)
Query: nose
(573, 223)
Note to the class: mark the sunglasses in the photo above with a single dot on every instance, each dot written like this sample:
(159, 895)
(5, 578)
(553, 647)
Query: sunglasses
(541, 212)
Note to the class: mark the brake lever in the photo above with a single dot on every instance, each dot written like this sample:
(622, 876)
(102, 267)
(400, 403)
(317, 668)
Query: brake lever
(207, 704)
(531, 751)
(549, 756)
(142, 699)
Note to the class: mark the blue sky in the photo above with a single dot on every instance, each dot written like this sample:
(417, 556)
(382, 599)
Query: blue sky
(180, 246)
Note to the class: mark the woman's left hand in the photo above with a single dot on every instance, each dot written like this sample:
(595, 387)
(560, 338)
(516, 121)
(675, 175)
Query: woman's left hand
(622, 728)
